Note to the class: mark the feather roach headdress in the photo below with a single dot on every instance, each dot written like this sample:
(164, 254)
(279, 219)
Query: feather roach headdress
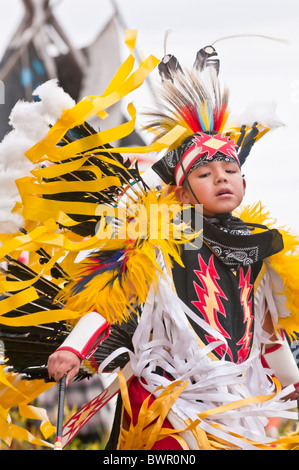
(195, 100)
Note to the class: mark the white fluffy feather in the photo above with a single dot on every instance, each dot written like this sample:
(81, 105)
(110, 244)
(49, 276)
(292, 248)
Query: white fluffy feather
(262, 112)
(30, 123)
(29, 120)
(12, 151)
(54, 99)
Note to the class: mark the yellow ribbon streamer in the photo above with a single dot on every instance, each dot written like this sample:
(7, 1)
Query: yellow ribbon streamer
(17, 300)
(40, 318)
(149, 427)
(40, 414)
(39, 209)
(18, 392)
(12, 286)
(95, 140)
(4, 381)
(53, 171)
(69, 186)
(149, 430)
(121, 85)
(21, 241)
(24, 435)
(240, 403)
(163, 143)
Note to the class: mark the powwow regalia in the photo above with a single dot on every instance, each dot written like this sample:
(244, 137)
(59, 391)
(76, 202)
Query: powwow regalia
(181, 315)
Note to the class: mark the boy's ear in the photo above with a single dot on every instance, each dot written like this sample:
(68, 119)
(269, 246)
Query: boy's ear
(244, 184)
(182, 195)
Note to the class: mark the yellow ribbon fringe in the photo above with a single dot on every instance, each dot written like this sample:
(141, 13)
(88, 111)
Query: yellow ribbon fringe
(149, 427)
(113, 296)
(43, 217)
(18, 392)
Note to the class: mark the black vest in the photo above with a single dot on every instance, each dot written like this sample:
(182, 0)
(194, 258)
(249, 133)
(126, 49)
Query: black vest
(217, 282)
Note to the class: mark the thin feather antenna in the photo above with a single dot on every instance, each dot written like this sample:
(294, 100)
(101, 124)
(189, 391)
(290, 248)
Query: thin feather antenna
(234, 36)
(168, 31)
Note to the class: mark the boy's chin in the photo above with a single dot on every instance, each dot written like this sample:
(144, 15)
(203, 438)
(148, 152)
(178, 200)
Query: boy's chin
(226, 209)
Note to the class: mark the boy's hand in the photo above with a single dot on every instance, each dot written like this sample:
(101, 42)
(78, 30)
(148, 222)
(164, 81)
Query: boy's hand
(61, 363)
(294, 395)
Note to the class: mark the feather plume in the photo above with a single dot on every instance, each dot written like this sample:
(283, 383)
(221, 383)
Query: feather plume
(264, 112)
(118, 276)
(28, 119)
(195, 100)
(191, 102)
(54, 100)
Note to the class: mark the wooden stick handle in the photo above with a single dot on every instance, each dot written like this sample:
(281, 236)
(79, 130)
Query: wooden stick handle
(60, 414)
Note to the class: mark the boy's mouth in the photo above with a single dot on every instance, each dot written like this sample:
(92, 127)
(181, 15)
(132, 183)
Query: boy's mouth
(224, 192)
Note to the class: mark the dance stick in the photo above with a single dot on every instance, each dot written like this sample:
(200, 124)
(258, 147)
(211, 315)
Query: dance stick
(60, 413)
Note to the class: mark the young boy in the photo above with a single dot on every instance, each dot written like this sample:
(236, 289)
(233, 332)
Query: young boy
(224, 292)
(209, 338)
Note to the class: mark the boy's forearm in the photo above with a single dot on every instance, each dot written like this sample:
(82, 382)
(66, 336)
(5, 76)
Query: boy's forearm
(90, 330)
(280, 359)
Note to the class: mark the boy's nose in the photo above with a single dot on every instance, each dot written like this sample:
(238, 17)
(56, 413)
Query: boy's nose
(220, 177)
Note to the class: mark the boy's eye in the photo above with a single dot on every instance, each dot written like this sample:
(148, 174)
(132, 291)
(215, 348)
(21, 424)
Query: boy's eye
(203, 175)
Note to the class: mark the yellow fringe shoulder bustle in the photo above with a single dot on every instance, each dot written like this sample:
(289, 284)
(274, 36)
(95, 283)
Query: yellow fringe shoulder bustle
(50, 221)
(119, 276)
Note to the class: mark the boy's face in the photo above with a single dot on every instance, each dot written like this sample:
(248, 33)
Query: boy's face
(218, 186)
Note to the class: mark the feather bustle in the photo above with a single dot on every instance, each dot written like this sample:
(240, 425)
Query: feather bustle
(114, 288)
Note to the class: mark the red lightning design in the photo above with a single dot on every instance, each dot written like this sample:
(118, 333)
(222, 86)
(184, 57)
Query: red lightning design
(213, 144)
(209, 303)
(246, 289)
